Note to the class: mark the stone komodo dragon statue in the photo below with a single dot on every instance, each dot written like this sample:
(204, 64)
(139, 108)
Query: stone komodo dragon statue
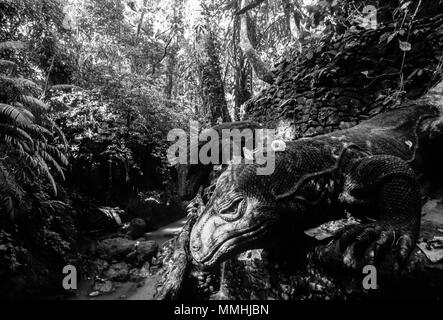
(369, 171)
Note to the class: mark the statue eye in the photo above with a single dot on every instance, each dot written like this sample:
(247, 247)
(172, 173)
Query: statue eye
(226, 200)
(233, 210)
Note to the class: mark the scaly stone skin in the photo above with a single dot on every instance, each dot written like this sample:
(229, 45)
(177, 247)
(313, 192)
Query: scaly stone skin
(365, 170)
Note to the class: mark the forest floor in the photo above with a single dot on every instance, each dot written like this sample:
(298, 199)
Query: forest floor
(129, 290)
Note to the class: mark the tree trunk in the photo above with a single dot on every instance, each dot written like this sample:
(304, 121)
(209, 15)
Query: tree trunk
(212, 87)
(260, 68)
(243, 82)
(243, 73)
(170, 73)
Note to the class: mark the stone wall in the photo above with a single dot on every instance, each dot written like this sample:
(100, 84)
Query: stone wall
(348, 79)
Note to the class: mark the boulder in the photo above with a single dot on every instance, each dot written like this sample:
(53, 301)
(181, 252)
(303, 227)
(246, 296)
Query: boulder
(137, 228)
(105, 287)
(122, 249)
(146, 250)
(117, 272)
(115, 248)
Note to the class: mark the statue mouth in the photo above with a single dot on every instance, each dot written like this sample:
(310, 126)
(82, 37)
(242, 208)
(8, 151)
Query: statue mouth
(237, 243)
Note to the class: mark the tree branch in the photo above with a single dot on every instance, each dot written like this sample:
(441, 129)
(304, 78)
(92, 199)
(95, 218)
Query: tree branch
(165, 53)
(250, 6)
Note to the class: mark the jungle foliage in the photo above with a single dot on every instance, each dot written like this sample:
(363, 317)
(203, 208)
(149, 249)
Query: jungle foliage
(89, 90)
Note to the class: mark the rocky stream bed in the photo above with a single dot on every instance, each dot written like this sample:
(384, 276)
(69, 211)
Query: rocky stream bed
(120, 268)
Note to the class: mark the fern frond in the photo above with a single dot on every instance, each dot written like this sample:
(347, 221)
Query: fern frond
(39, 132)
(25, 112)
(9, 66)
(34, 104)
(29, 154)
(59, 132)
(8, 183)
(22, 85)
(29, 160)
(15, 144)
(57, 154)
(49, 159)
(12, 45)
(13, 114)
(38, 165)
(7, 130)
(9, 190)
(56, 206)
(44, 170)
